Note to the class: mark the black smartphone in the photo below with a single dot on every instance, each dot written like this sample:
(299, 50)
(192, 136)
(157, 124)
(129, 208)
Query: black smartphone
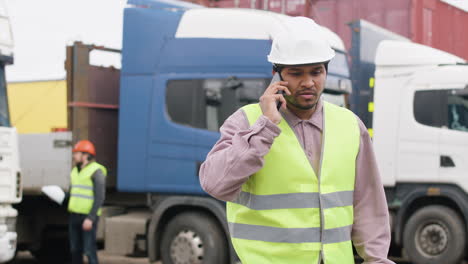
(277, 78)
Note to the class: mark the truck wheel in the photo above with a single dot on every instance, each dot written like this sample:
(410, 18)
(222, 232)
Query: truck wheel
(433, 235)
(194, 238)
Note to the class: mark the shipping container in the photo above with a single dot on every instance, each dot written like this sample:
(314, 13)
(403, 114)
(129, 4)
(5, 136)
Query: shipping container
(93, 99)
(38, 106)
(434, 23)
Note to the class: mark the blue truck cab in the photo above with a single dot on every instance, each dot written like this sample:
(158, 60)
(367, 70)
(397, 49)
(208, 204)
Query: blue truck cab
(185, 69)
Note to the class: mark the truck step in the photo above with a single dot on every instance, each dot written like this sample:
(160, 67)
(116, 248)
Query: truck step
(125, 235)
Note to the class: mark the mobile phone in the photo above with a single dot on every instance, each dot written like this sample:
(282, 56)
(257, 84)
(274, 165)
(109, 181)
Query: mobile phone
(277, 78)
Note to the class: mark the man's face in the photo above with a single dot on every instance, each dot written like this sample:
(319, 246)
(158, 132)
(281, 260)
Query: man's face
(306, 84)
(78, 157)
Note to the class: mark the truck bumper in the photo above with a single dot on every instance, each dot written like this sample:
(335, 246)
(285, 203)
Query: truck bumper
(7, 246)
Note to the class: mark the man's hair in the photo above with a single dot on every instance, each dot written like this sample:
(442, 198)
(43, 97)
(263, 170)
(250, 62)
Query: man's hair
(279, 67)
(90, 157)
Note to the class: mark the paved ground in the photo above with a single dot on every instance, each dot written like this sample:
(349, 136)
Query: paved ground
(25, 258)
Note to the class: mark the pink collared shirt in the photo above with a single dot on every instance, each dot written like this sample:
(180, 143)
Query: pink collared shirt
(239, 153)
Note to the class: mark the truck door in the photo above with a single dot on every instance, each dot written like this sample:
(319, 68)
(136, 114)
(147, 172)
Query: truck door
(419, 132)
(454, 137)
(194, 107)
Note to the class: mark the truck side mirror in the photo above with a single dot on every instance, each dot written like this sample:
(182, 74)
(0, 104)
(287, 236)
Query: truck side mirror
(232, 83)
(464, 91)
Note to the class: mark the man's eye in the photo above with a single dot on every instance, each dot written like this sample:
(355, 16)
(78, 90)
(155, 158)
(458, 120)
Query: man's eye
(295, 73)
(317, 72)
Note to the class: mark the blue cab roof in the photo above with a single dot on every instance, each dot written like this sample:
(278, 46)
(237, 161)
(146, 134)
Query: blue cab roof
(164, 4)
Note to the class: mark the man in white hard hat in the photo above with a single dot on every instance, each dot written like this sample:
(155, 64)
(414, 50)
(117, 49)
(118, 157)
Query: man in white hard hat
(301, 183)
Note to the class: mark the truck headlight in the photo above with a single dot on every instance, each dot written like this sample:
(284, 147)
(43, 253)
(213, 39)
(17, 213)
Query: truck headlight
(11, 224)
(3, 230)
(12, 243)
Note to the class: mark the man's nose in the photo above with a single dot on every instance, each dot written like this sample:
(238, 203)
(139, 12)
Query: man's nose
(308, 82)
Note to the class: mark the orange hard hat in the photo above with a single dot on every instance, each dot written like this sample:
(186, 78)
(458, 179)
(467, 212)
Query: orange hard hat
(85, 146)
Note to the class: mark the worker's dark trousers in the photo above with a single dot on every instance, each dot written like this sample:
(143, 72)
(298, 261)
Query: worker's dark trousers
(82, 242)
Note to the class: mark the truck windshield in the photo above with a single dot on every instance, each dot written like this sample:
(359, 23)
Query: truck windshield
(339, 65)
(448, 108)
(207, 103)
(458, 112)
(338, 83)
(338, 99)
(4, 114)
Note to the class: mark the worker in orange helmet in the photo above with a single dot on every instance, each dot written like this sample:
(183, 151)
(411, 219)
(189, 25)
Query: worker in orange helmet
(87, 193)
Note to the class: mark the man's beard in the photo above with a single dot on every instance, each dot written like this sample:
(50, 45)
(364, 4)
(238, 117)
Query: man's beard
(302, 107)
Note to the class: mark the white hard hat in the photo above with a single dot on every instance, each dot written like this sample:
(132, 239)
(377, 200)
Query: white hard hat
(54, 192)
(300, 41)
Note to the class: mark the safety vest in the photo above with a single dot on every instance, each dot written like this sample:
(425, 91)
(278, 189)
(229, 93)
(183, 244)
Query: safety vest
(81, 192)
(285, 213)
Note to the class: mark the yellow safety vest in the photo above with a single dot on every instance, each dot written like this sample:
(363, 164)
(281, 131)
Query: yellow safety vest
(285, 213)
(81, 192)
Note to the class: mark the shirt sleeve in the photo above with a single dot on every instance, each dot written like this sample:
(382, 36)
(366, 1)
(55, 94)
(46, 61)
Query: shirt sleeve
(99, 188)
(238, 154)
(66, 199)
(371, 228)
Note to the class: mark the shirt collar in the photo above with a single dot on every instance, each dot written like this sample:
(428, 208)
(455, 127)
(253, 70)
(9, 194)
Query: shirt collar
(315, 120)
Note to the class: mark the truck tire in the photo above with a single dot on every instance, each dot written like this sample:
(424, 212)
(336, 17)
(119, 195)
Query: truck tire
(195, 238)
(435, 234)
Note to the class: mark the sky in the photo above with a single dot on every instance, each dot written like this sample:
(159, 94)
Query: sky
(462, 4)
(42, 29)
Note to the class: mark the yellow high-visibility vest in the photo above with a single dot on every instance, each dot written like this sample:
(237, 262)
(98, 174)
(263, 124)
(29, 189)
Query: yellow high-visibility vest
(285, 213)
(81, 192)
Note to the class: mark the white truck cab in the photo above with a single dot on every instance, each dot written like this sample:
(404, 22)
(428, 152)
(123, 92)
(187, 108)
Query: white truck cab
(10, 177)
(8, 236)
(420, 127)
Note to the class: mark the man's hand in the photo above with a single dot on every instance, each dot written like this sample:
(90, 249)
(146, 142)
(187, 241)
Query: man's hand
(269, 99)
(87, 224)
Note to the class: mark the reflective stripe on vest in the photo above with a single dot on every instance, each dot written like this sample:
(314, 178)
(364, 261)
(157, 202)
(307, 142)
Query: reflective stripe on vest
(284, 213)
(82, 192)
